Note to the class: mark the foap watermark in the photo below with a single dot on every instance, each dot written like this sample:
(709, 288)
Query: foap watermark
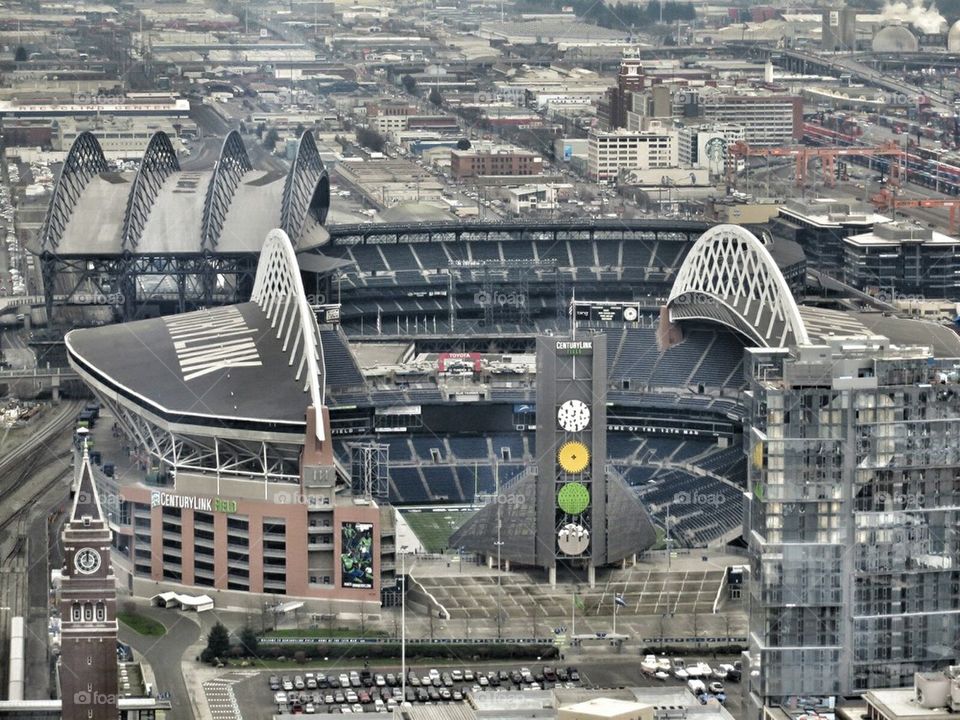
(92, 98)
(97, 298)
(509, 499)
(92, 697)
(109, 501)
(891, 296)
(699, 498)
(897, 500)
(498, 298)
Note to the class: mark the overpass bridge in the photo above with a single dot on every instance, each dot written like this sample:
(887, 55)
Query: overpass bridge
(847, 64)
(30, 382)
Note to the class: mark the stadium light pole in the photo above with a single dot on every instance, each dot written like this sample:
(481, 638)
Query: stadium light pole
(403, 623)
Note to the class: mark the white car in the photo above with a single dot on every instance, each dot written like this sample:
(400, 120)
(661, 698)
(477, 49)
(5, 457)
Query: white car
(649, 664)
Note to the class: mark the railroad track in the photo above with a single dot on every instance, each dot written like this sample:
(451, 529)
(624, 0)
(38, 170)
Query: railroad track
(25, 479)
(62, 418)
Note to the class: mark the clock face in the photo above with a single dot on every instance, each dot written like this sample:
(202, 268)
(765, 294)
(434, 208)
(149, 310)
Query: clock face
(573, 415)
(87, 561)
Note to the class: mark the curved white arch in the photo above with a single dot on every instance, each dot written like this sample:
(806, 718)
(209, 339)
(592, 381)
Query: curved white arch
(730, 277)
(278, 290)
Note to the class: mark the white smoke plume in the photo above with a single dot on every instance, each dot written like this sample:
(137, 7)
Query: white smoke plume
(926, 20)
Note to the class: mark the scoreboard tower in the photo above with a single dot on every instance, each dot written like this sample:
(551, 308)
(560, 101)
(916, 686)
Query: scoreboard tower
(571, 453)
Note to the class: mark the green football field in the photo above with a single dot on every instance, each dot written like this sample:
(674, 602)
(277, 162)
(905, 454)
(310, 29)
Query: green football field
(434, 527)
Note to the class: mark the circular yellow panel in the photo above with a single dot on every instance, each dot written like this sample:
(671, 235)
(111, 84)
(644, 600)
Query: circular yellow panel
(573, 457)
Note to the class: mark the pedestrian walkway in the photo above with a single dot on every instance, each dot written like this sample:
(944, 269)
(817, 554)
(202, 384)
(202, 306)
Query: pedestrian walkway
(219, 695)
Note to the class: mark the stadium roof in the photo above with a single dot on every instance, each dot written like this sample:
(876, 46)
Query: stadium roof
(731, 278)
(256, 366)
(163, 210)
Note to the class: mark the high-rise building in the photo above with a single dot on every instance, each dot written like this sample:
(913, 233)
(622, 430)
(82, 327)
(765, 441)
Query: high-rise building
(610, 152)
(854, 508)
(88, 609)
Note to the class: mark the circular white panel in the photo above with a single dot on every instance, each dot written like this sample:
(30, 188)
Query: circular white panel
(574, 415)
(573, 539)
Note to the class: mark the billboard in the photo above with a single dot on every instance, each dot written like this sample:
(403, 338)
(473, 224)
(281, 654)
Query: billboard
(628, 312)
(356, 555)
(457, 362)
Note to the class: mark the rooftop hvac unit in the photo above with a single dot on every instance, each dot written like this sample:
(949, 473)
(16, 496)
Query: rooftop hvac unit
(931, 690)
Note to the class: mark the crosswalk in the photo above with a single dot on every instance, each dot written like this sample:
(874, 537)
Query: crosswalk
(220, 698)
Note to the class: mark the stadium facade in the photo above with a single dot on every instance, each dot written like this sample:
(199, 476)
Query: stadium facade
(240, 493)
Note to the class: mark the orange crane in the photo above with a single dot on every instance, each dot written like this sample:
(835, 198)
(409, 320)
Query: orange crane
(886, 200)
(803, 154)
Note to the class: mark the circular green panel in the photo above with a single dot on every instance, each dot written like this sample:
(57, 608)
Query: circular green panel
(573, 498)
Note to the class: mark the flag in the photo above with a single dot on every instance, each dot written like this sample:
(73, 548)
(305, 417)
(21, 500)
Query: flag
(578, 602)
(618, 599)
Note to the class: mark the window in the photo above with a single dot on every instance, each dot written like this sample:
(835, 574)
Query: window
(88, 612)
(101, 612)
(75, 614)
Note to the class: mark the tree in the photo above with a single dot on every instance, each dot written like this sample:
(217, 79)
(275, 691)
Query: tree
(249, 641)
(300, 130)
(270, 139)
(260, 128)
(370, 139)
(436, 99)
(21, 54)
(218, 643)
(409, 84)
(463, 144)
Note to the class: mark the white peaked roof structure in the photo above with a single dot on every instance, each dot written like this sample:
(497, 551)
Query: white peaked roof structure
(729, 277)
(233, 387)
(278, 290)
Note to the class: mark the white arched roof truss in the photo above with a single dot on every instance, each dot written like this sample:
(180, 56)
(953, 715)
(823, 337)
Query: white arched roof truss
(278, 290)
(730, 277)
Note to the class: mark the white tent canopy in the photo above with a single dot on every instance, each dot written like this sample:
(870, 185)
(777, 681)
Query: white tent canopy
(169, 599)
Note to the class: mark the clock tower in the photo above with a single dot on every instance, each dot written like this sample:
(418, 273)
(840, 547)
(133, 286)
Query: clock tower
(88, 609)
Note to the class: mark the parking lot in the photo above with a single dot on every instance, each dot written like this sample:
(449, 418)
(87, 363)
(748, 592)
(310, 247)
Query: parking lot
(379, 690)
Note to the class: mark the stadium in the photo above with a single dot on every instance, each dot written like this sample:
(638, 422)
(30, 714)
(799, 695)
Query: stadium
(394, 366)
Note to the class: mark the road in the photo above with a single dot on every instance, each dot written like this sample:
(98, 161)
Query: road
(164, 654)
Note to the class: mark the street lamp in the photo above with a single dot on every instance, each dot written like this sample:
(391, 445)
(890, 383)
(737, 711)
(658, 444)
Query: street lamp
(403, 622)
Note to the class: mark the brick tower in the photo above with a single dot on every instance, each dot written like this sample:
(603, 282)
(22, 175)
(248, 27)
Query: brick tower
(88, 609)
